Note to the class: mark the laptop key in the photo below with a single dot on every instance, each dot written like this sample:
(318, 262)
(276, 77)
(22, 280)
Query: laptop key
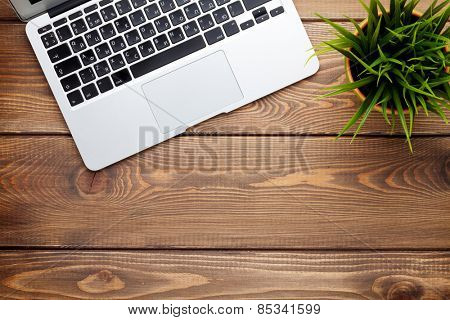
(231, 28)
(221, 2)
(260, 15)
(177, 17)
(107, 31)
(132, 37)
(75, 98)
(92, 37)
(108, 13)
(207, 5)
(247, 24)
(49, 40)
(182, 2)
(75, 15)
(162, 24)
(192, 10)
(105, 2)
(138, 3)
(102, 68)
(60, 52)
(122, 24)
(87, 75)
(191, 28)
(44, 29)
(78, 26)
(214, 35)
(103, 51)
(67, 66)
(78, 44)
(170, 55)
(123, 6)
(131, 55)
(88, 57)
(117, 62)
(60, 22)
(94, 20)
(161, 42)
(252, 4)
(205, 22)
(147, 30)
(71, 82)
(121, 77)
(152, 11)
(176, 35)
(64, 33)
(221, 15)
(104, 85)
(90, 8)
(235, 8)
(275, 12)
(118, 44)
(146, 48)
(90, 91)
(137, 18)
(167, 5)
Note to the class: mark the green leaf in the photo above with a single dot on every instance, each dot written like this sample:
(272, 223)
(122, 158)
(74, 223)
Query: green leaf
(348, 86)
(401, 115)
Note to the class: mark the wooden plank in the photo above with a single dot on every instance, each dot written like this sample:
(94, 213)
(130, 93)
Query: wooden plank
(229, 192)
(28, 105)
(224, 275)
(307, 9)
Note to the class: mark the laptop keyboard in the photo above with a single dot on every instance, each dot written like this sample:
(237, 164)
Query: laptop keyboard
(110, 43)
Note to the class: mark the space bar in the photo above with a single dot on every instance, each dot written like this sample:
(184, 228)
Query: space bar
(170, 55)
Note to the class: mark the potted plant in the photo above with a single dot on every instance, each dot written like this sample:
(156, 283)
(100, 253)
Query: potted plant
(397, 62)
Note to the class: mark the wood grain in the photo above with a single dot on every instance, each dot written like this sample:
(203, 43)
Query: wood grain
(27, 104)
(229, 192)
(224, 275)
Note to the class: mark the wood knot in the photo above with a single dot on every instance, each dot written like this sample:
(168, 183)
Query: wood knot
(91, 182)
(399, 288)
(101, 282)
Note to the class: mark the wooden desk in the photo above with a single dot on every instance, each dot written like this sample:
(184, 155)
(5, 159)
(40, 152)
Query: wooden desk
(259, 203)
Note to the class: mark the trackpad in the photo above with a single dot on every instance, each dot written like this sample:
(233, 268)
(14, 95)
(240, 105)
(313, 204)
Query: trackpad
(192, 92)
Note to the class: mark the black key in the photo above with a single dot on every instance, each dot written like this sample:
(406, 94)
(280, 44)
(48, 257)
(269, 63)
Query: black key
(49, 40)
(64, 33)
(92, 37)
(152, 11)
(44, 29)
(191, 28)
(121, 77)
(192, 10)
(161, 42)
(117, 44)
(71, 82)
(138, 3)
(60, 52)
(235, 8)
(146, 48)
(131, 55)
(108, 13)
(206, 5)
(103, 51)
(260, 15)
(166, 5)
(132, 37)
(162, 24)
(90, 91)
(60, 22)
(105, 85)
(137, 18)
(231, 28)
(88, 57)
(105, 2)
(147, 30)
(87, 75)
(75, 15)
(176, 35)
(75, 98)
(221, 15)
(94, 20)
(206, 22)
(122, 24)
(276, 11)
(123, 6)
(214, 35)
(107, 31)
(170, 55)
(247, 24)
(177, 17)
(117, 62)
(102, 68)
(252, 4)
(221, 2)
(90, 8)
(78, 26)
(67, 66)
(78, 44)
(182, 2)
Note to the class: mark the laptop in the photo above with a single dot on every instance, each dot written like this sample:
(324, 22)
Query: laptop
(130, 74)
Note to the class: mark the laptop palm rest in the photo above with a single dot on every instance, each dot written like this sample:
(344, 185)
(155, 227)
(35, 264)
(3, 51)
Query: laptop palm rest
(193, 92)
